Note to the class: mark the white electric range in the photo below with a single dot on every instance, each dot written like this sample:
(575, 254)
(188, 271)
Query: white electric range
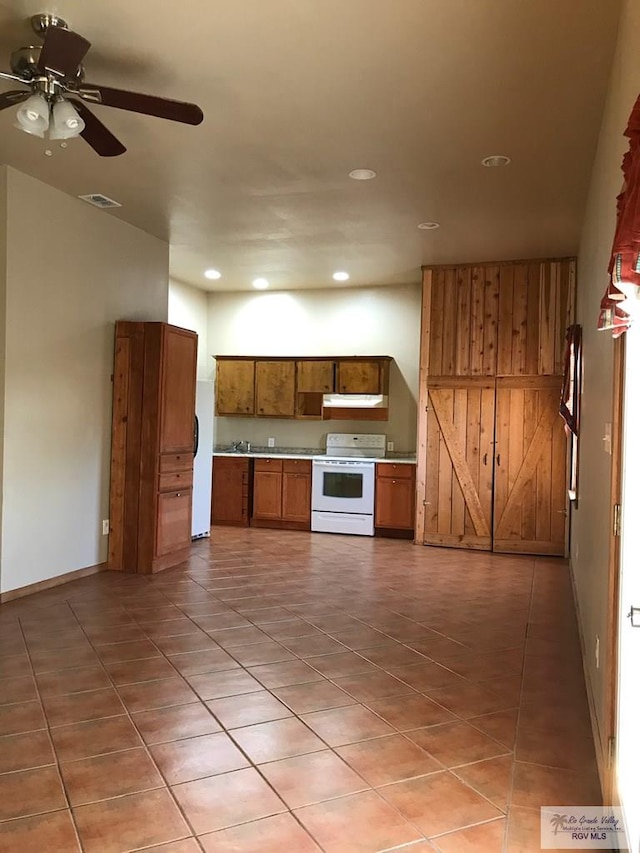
(343, 484)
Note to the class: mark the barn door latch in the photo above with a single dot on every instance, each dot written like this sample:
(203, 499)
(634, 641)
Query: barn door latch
(617, 519)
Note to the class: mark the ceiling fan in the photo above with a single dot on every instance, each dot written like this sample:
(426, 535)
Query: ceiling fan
(56, 92)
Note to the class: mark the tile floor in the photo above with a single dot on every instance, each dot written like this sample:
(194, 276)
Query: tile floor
(294, 692)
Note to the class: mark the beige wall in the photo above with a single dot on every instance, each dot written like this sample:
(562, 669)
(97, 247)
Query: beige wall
(590, 538)
(188, 308)
(372, 321)
(72, 271)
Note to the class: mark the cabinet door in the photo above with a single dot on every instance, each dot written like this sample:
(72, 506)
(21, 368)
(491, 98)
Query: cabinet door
(275, 389)
(296, 497)
(173, 527)
(459, 476)
(267, 494)
(178, 389)
(536, 306)
(358, 377)
(395, 503)
(315, 377)
(235, 379)
(530, 467)
(229, 498)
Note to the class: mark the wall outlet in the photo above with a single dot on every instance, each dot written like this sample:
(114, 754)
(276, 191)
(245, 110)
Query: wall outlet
(389, 445)
(606, 438)
(597, 652)
(105, 526)
(271, 442)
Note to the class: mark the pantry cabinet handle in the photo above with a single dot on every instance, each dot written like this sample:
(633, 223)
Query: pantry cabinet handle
(498, 460)
(484, 459)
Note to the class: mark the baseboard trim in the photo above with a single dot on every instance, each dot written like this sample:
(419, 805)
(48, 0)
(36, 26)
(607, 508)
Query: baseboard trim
(601, 752)
(39, 586)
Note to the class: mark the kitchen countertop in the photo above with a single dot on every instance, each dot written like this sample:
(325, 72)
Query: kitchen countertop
(289, 454)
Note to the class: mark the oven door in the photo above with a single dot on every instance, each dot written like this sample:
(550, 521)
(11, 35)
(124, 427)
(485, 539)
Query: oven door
(343, 486)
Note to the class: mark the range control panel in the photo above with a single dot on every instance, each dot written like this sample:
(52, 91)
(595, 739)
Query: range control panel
(363, 444)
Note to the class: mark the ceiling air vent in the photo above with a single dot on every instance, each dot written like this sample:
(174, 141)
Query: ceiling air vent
(99, 200)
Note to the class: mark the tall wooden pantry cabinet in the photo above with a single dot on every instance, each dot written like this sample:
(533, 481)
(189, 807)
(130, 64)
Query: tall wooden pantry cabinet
(154, 386)
(492, 471)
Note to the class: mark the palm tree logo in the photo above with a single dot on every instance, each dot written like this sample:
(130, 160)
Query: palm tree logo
(557, 822)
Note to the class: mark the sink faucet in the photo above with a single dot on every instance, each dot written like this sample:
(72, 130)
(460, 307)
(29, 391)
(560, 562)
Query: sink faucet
(241, 446)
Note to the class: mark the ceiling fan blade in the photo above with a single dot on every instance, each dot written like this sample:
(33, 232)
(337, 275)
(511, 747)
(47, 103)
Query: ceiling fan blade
(62, 52)
(5, 75)
(10, 99)
(138, 103)
(97, 135)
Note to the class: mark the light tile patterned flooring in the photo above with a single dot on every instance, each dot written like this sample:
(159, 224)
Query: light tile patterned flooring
(294, 692)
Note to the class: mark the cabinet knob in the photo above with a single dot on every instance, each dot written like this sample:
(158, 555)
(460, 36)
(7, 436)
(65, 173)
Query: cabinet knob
(178, 494)
(394, 482)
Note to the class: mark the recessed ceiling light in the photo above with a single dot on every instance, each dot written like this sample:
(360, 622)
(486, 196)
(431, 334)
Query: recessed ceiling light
(212, 274)
(362, 174)
(428, 226)
(260, 283)
(495, 160)
(341, 276)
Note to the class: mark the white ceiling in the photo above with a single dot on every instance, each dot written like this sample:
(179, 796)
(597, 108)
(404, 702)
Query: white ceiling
(296, 93)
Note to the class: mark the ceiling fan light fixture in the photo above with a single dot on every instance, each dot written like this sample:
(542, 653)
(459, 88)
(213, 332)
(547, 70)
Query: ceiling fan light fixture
(33, 115)
(66, 122)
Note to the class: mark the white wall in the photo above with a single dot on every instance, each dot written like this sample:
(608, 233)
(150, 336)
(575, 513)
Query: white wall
(3, 298)
(188, 308)
(590, 531)
(72, 271)
(372, 321)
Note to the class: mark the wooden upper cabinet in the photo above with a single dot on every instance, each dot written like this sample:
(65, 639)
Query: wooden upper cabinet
(275, 389)
(315, 377)
(361, 376)
(177, 396)
(464, 321)
(500, 320)
(536, 306)
(235, 380)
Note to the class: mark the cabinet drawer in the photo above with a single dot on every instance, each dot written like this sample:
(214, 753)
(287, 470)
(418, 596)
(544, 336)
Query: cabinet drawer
(268, 465)
(176, 462)
(296, 466)
(395, 470)
(175, 480)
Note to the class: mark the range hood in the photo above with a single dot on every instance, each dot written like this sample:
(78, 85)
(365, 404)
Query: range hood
(355, 401)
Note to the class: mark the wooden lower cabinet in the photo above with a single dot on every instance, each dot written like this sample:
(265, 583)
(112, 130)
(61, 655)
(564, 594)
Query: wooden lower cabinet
(230, 490)
(530, 479)
(282, 493)
(395, 497)
(459, 491)
(496, 475)
(173, 530)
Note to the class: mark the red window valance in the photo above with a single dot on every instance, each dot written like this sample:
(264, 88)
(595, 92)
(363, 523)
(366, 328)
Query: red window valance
(622, 296)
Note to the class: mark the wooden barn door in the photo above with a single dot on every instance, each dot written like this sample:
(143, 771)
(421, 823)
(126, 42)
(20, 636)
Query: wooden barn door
(529, 512)
(459, 476)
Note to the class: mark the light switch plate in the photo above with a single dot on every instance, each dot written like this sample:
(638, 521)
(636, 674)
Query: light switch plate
(606, 438)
